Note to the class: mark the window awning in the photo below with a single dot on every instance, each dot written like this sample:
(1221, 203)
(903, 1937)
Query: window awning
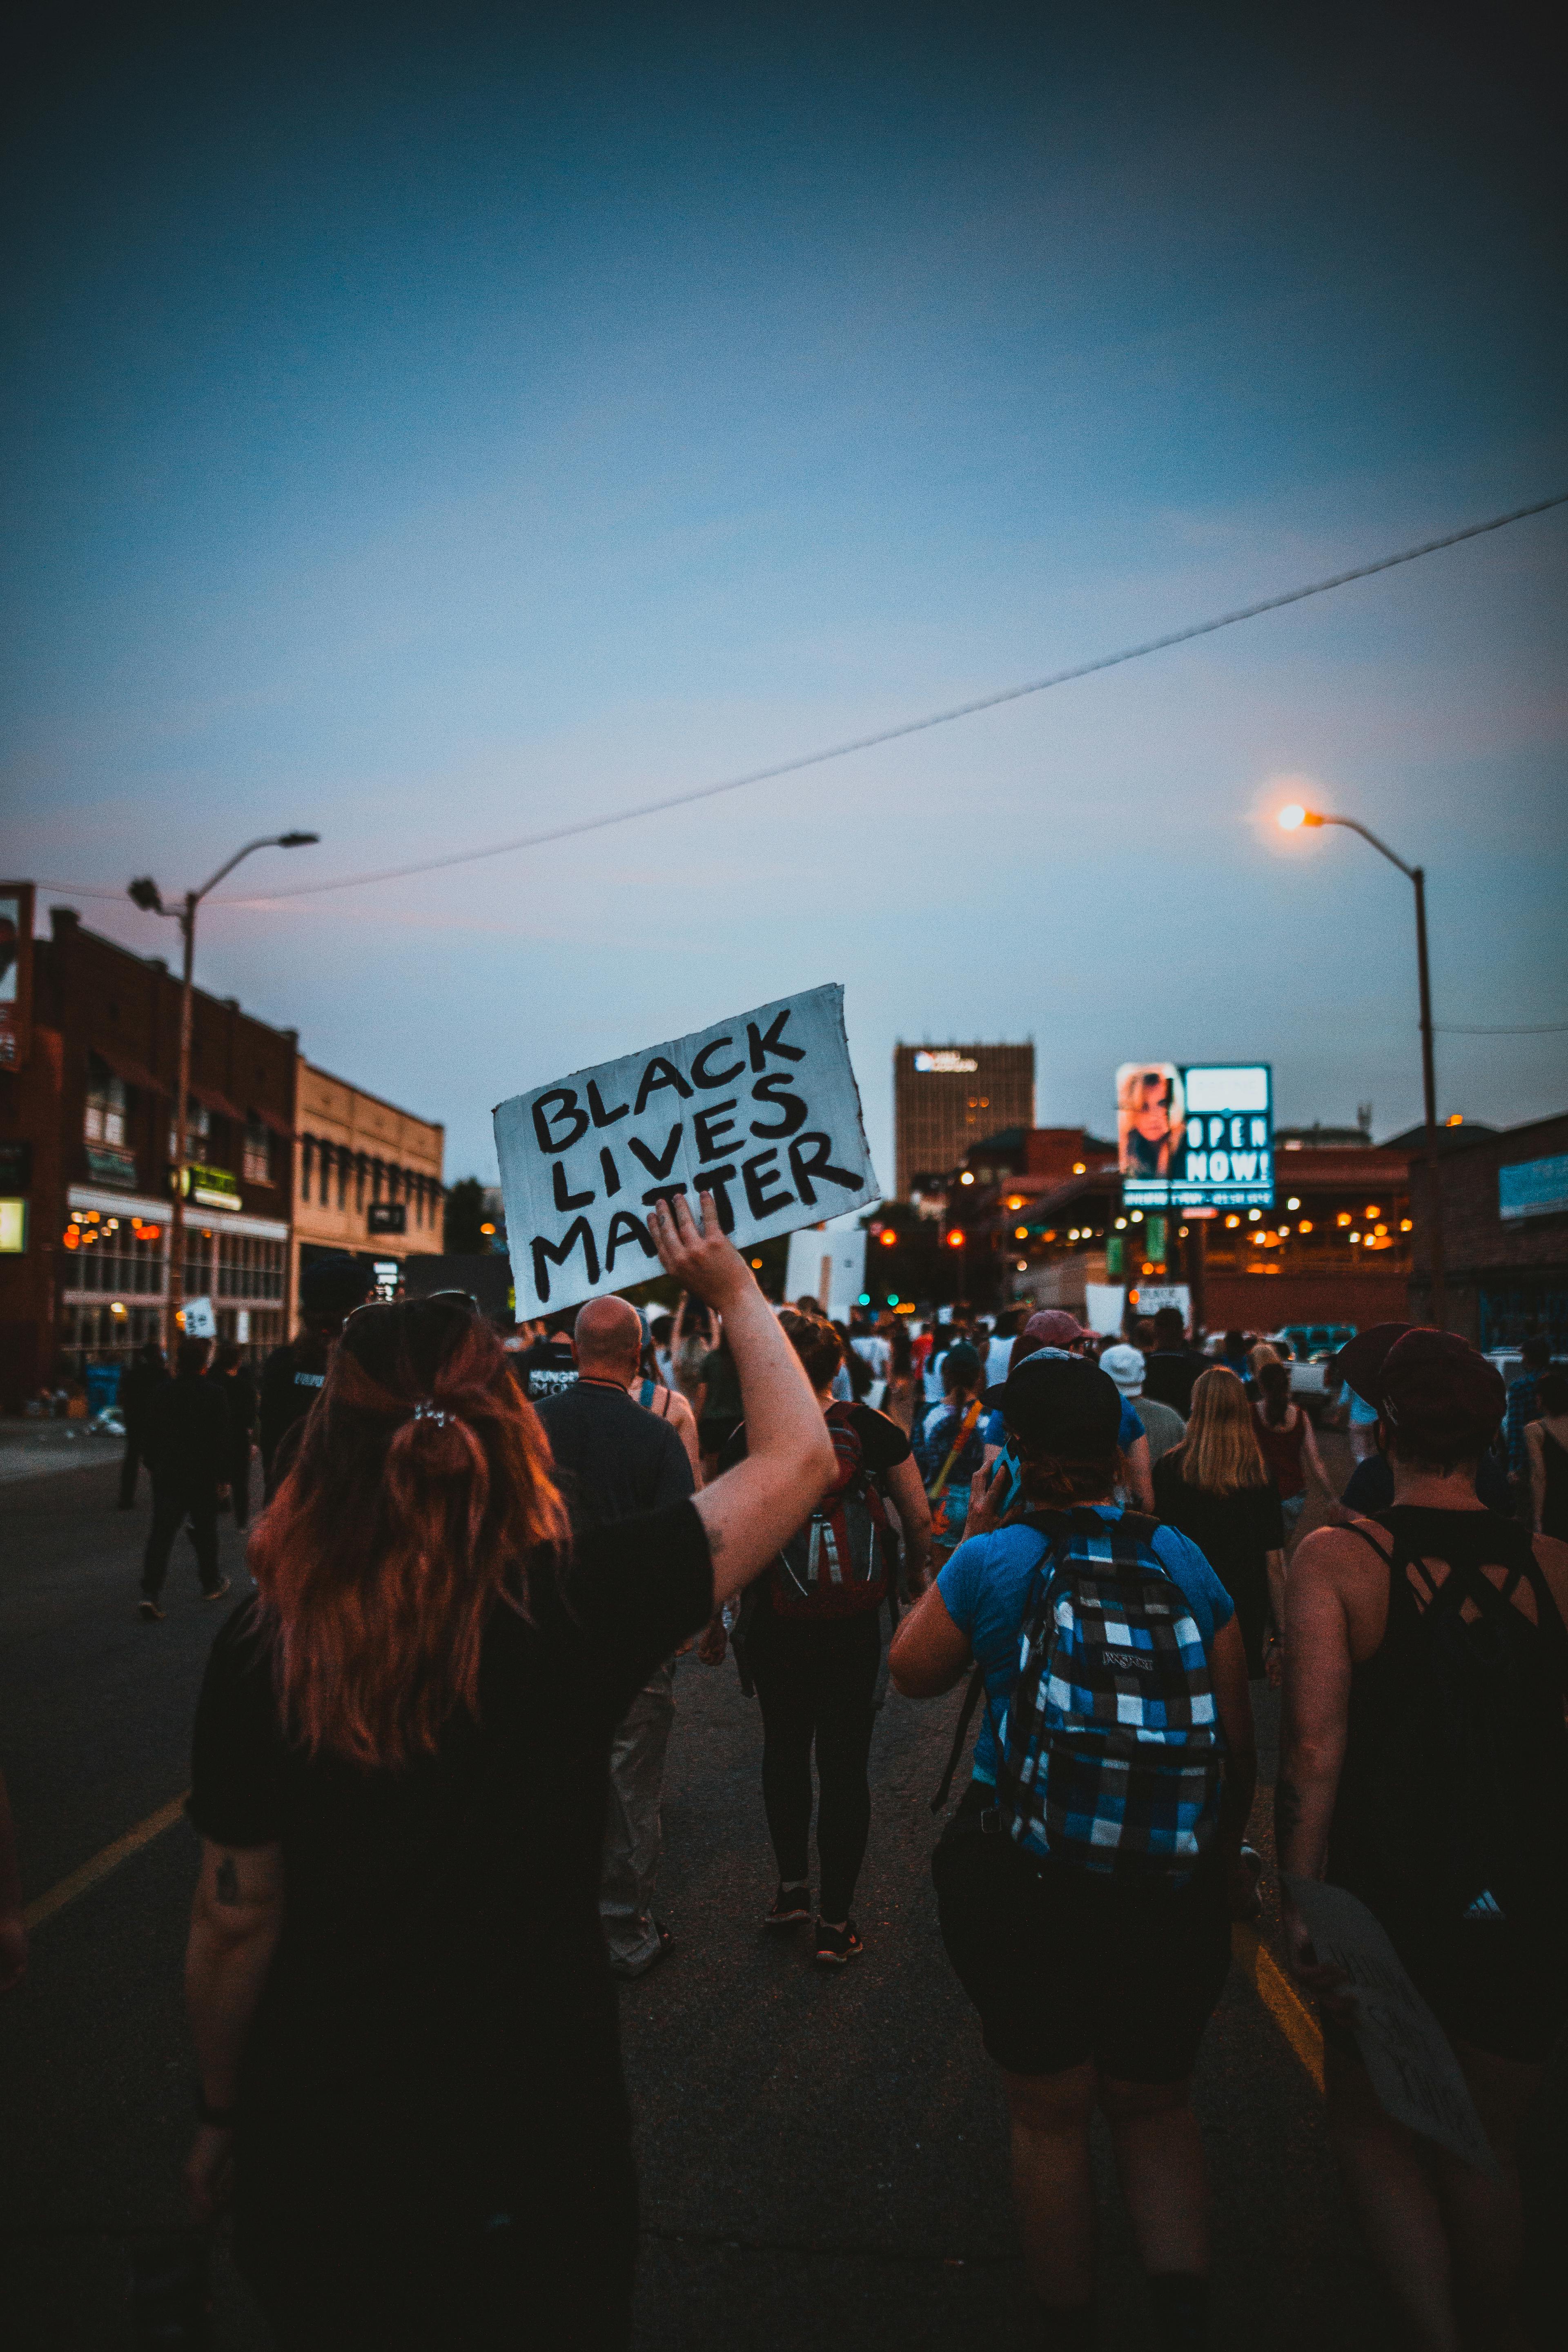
(134, 1073)
(210, 1096)
(279, 1126)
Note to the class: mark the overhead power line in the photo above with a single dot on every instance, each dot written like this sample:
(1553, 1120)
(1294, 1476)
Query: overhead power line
(894, 734)
(1531, 1029)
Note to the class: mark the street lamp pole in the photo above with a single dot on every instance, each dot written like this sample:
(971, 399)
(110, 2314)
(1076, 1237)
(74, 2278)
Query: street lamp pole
(145, 894)
(1290, 818)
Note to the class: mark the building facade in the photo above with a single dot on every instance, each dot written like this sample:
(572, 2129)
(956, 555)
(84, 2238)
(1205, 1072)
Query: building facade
(368, 1178)
(1505, 1233)
(89, 1155)
(946, 1097)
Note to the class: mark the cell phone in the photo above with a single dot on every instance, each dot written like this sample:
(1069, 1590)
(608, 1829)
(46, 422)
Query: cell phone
(171, 2295)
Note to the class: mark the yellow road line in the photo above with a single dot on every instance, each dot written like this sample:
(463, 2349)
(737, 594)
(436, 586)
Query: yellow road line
(1282, 2000)
(102, 1863)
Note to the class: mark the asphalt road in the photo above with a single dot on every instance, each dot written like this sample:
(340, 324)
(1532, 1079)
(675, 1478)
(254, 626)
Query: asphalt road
(820, 2153)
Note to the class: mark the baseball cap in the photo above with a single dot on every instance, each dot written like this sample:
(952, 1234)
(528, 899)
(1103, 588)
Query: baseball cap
(1126, 1367)
(962, 1362)
(1054, 1326)
(1433, 1388)
(1062, 1403)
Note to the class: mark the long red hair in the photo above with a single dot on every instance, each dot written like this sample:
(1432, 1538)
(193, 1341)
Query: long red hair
(421, 1496)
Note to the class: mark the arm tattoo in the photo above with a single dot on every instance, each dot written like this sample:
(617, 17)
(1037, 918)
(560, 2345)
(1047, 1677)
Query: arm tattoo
(226, 1881)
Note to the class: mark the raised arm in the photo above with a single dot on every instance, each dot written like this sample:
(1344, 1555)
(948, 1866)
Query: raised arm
(749, 1511)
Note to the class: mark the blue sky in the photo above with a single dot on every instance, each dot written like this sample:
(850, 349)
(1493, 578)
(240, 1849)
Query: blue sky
(428, 433)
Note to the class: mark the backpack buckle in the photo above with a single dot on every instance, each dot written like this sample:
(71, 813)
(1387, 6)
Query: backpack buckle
(991, 1821)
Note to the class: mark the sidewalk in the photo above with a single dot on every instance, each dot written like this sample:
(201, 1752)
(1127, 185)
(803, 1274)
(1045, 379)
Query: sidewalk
(40, 1449)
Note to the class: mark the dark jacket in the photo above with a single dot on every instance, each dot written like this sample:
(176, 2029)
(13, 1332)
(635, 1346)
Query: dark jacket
(291, 1380)
(188, 1434)
(238, 1390)
(1168, 1377)
(139, 1384)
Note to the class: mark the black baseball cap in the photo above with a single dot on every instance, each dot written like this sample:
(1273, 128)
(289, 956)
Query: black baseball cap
(1061, 1402)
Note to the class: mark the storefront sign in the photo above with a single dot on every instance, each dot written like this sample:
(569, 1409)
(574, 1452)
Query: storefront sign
(13, 1228)
(108, 1164)
(211, 1188)
(1196, 1136)
(386, 1217)
(1533, 1188)
(762, 1110)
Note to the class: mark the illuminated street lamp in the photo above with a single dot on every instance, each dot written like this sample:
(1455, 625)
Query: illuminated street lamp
(144, 893)
(1292, 817)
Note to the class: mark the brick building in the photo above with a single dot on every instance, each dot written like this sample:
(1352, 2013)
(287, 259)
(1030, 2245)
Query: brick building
(88, 1154)
(1505, 1233)
(367, 1176)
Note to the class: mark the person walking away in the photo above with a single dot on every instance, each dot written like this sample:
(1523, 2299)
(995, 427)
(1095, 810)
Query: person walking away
(812, 1639)
(147, 1372)
(293, 1375)
(1523, 1407)
(1086, 1884)
(898, 1404)
(648, 1388)
(1547, 1441)
(233, 1377)
(1216, 1488)
(188, 1449)
(1286, 1441)
(1172, 1366)
(1162, 1425)
(1053, 1332)
(614, 1461)
(951, 1450)
(549, 1365)
(720, 1413)
(1425, 1768)
(401, 2003)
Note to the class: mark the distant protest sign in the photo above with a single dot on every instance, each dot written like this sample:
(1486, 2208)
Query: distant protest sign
(762, 1110)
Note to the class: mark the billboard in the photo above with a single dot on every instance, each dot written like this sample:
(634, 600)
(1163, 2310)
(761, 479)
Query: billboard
(1195, 1135)
(16, 973)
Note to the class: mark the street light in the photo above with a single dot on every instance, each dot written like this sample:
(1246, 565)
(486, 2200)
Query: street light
(144, 893)
(1292, 817)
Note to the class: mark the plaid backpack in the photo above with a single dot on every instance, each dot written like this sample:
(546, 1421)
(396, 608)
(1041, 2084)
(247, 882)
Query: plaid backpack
(834, 1566)
(1110, 1749)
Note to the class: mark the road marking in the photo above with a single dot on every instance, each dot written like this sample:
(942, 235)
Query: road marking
(102, 1863)
(1282, 2002)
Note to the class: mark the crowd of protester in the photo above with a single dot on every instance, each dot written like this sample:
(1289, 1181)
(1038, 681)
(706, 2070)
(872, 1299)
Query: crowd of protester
(430, 1749)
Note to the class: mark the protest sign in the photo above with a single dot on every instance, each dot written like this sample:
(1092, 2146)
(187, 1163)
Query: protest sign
(761, 1110)
(1413, 2072)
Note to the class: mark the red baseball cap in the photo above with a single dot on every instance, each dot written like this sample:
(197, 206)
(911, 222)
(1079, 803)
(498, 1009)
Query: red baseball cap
(1053, 1326)
(1437, 1391)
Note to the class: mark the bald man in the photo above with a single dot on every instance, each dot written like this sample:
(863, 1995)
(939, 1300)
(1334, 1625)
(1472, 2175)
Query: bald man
(614, 1461)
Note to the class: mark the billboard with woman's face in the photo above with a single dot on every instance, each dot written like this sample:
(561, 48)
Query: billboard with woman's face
(1151, 1113)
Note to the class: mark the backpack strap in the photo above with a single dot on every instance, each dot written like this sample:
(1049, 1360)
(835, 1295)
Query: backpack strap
(972, 1697)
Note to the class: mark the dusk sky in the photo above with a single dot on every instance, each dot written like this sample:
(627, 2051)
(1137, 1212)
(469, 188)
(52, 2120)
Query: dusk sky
(429, 426)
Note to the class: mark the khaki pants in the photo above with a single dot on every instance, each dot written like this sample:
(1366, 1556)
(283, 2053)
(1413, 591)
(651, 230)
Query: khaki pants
(634, 1834)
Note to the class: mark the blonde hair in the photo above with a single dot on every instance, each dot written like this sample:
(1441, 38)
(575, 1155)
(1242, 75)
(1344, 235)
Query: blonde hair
(1220, 1454)
(1264, 1353)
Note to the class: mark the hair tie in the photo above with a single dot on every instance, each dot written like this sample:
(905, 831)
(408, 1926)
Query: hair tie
(428, 1410)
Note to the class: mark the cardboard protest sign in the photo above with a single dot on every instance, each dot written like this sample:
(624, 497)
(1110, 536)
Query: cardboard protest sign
(761, 1110)
(1413, 2072)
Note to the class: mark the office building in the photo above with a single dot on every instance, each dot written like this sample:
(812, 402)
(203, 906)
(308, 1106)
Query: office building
(946, 1099)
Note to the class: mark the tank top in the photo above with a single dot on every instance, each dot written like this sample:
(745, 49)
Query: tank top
(1554, 1503)
(1396, 1823)
(1281, 1452)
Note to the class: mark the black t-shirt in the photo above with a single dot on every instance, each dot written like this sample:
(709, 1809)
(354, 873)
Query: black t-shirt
(291, 1380)
(1371, 1487)
(883, 1445)
(188, 1431)
(545, 1369)
(441, 1951)
(1168, 1377)
(1231, 1531)
(613, 1458)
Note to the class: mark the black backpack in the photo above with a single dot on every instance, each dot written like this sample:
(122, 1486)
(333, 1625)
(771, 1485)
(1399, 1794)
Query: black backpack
(1455, 1807)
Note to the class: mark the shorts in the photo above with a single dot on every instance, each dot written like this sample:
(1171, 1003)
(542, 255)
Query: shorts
(1063, 1967)
(1486, 1982)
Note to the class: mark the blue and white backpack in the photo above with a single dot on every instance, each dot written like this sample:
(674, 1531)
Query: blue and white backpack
(1109, 1753)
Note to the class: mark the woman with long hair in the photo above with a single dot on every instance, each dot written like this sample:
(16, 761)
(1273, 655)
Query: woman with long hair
(1086, 1883)
(399, 1993)
(1217, 1487)
(1286, 1441)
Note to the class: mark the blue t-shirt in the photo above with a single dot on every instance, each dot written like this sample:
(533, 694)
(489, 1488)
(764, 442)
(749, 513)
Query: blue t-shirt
(986, 1589)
